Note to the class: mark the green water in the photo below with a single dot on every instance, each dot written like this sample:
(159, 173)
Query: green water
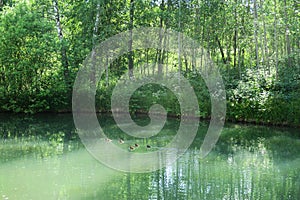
(41, 157)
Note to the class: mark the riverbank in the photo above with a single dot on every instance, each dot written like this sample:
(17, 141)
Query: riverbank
(144, 113)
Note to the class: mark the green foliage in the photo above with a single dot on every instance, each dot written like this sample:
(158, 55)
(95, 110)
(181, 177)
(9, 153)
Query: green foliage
(247, 99)
(261, 97)
(149, 94)
(285, 102)
(42, 48)
(29, 68)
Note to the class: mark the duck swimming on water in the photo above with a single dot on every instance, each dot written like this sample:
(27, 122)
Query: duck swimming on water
(131, 148)
(121, 140)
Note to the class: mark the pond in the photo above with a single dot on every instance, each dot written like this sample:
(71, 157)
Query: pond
(41, 157)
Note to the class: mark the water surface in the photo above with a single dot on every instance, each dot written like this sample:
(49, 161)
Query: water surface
(41, 157)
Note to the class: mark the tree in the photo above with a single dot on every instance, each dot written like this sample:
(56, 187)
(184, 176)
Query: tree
(63, 48)
(28, 65)
(130, 53)
(256, 32)
(287, 35)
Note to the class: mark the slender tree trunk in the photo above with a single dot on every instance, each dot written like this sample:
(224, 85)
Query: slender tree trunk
(130, 53)
(186, 62)
(265, 41)
(167, 62)
(160, 51)
(179, 39)
(235, 37)
(96, 25)
(228, 60)
(287, 36)
(94, 41)
(164, 52)
(197, 34)
(275, 37)
(255, 33)
(221, 50)
(147, 61)
(154, 64)
(239, 63)
(63, 48)
(107, 72)
(169, 6)
(165, 47)
(194, 57)
(261, 42)
(208, 50)
(202, 42)
(262, 51)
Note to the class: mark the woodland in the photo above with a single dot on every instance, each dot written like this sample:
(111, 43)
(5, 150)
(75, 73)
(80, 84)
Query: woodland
(254, 43)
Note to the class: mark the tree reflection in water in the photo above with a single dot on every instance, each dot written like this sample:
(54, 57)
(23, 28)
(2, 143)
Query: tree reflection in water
(42, 157)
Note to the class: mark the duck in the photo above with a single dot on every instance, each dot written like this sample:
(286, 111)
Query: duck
(131, 148)
(121, 140)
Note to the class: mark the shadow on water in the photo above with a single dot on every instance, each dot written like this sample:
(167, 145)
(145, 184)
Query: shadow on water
(41, 157)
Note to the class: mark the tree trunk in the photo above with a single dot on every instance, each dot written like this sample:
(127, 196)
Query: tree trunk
(235, 37)
(147, 61)
(287, 37)
(197, 33)
(186, 63)
(255, 34)
(107, 72)
(202, 42)
(262, 51)
(194, 57)
(95, 32)
(275, 38)
(130, 53)
(239, 63)
(265, 41)
(221, 50)
(63, 49)
(235, 48)
(160, 51)
(179, 40)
